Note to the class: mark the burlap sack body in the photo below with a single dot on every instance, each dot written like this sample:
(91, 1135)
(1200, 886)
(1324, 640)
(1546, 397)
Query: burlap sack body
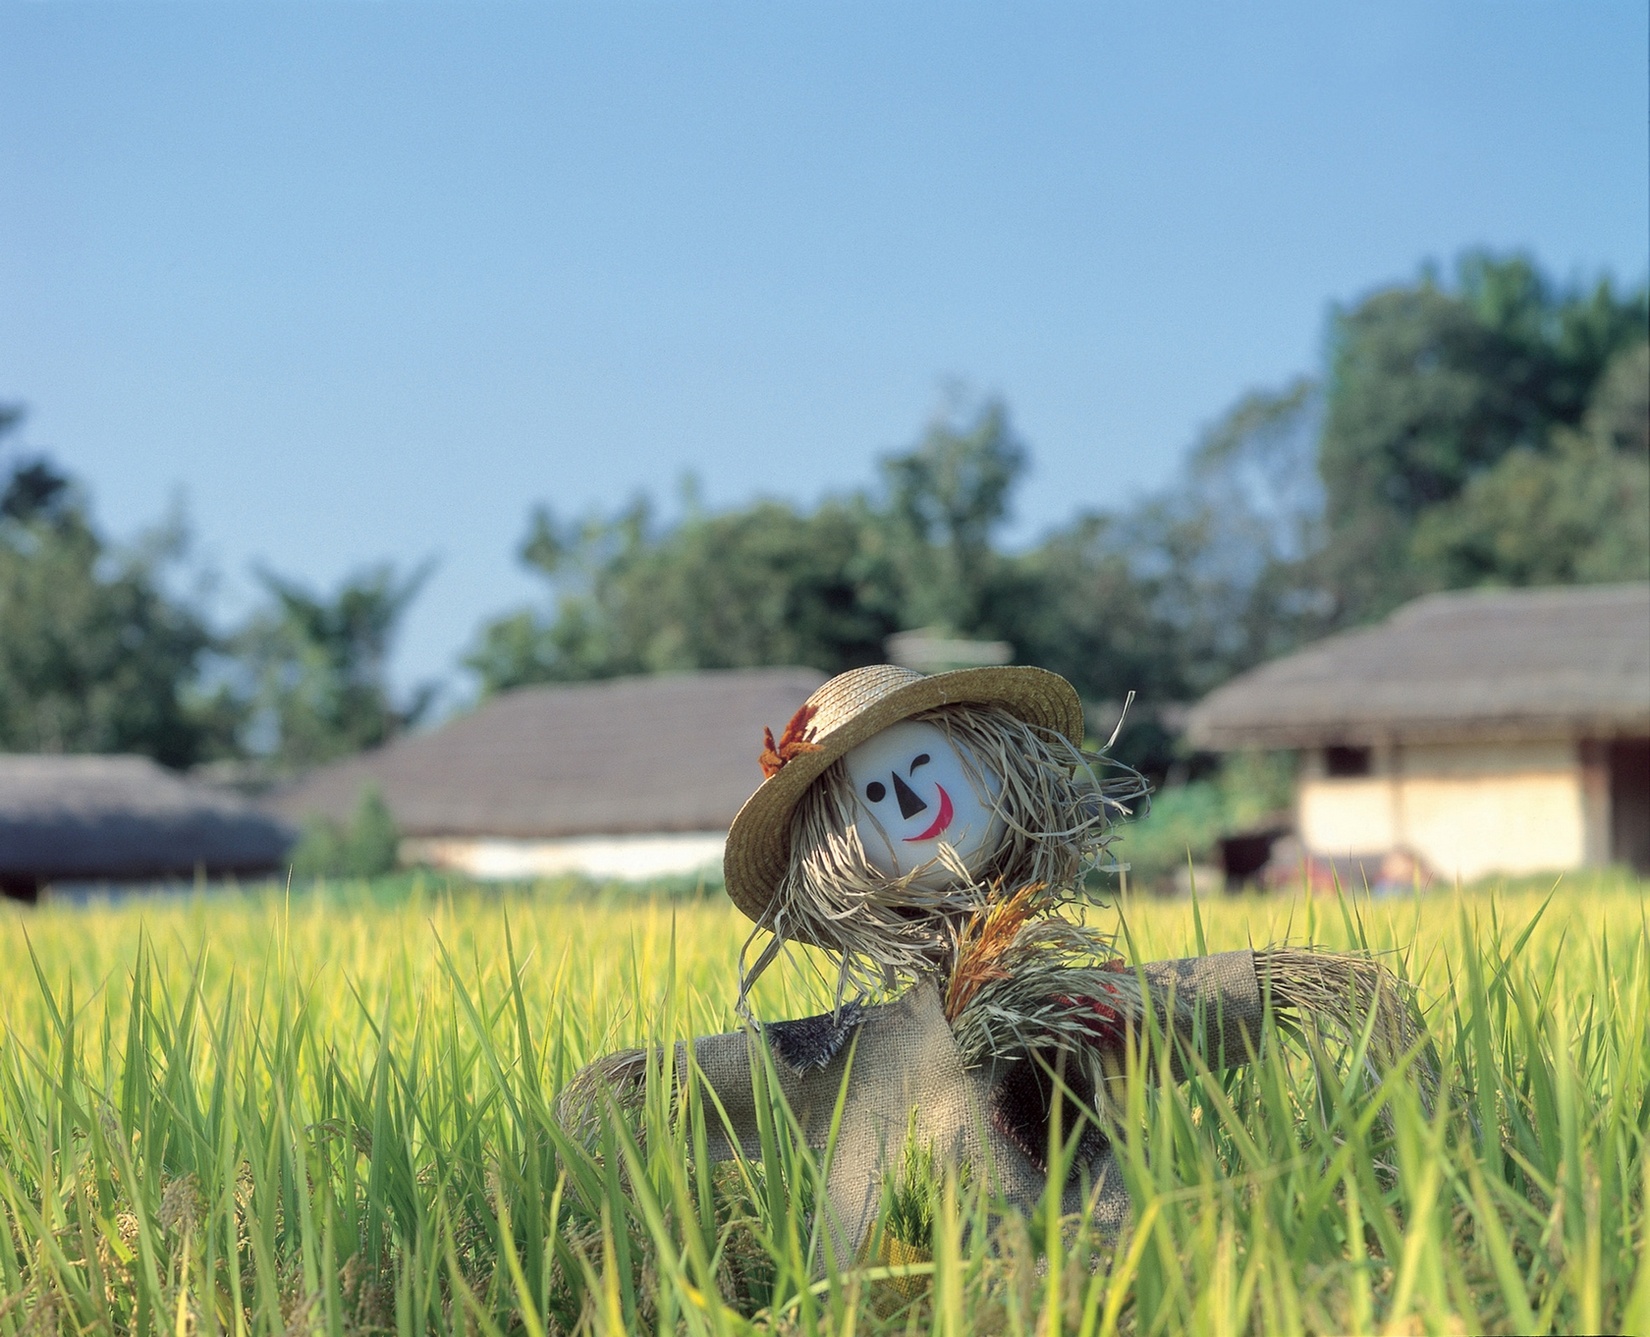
(903, 1060)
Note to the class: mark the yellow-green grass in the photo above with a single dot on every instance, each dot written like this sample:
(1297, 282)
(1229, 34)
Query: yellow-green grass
(333, 1112)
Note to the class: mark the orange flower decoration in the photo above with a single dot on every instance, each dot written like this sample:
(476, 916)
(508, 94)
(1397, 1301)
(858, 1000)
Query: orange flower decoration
(792, 743)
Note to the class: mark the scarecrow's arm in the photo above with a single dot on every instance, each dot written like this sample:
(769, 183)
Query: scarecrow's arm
(1219, 1006)
(1214, 1003)
(726, 1064)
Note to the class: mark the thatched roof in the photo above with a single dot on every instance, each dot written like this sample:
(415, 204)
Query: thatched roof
(1482, 664)
(627, 756)
(121, 818)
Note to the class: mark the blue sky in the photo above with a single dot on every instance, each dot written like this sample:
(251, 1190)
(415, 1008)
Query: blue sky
(361, 281)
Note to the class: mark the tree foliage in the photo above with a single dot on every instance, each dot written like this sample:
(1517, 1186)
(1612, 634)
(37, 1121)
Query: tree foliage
(1166, 598)
(315, 668)
(1575, 511)
(95, 655)
(1489, 430)
(1430, 390)
(945, 499)
(770, 583)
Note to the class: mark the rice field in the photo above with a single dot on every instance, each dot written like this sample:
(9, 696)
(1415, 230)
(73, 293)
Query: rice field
(332, 1112)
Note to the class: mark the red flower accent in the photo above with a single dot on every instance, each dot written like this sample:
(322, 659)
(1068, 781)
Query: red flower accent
(1103, 1022)
(797, 739)
(1107, 1023)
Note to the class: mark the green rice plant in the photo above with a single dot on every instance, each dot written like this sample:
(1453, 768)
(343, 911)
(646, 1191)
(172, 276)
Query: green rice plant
(336, 1113)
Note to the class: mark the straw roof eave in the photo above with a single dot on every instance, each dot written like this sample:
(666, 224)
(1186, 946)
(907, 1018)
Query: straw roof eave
(1235, 735)
(671, 754)
(124, 817)
(1476, 666)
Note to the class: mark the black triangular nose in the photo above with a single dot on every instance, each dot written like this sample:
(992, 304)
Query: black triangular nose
(909, 804)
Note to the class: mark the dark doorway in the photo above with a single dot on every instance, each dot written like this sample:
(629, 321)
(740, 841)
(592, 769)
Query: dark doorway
(1630, 803)
(1244, 855)
(1347, 762)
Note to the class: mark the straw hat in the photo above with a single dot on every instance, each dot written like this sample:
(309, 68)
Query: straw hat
(852, 707)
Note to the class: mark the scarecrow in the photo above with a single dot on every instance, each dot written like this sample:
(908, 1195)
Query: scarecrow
(931, 834)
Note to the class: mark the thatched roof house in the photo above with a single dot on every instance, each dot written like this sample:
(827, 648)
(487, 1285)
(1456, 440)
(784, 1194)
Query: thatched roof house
(123, 819)
(627, 777)
(1479, 732)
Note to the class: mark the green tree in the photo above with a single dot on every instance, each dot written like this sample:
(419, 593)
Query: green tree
(1175, 594)
(1077, 604)
(318, 667)
(1164, 600)
(770, 583)
(1187, 587)
(945, 499)
(1575, 512)
(1431, 387)
(766, 584)
(95, 656)
(1486, 430)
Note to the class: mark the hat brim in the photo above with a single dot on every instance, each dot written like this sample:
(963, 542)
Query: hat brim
(759, 841)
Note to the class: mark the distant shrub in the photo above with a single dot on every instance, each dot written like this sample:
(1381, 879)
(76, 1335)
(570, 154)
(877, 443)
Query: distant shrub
(364, 847)
(1186, 822)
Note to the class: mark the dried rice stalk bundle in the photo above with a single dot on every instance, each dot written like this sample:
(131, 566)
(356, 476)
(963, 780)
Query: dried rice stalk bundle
(1056, 815)
(618, 1077)
(985, 940)
(1024, 980)
(1316, 992)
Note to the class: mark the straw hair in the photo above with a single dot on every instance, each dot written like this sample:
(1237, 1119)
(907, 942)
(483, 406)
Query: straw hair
(1056, 820)
(851, 708)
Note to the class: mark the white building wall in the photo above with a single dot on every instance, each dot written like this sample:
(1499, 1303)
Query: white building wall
(630, 858)
(1466, 809)
(1338, 817)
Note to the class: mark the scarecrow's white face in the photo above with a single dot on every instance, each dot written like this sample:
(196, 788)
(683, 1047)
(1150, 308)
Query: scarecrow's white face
(911, 780)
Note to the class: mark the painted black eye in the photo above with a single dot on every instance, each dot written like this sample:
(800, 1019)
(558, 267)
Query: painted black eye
(876, 791)
(922, 759)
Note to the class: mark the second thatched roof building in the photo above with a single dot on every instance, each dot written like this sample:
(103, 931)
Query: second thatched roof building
(632, 777)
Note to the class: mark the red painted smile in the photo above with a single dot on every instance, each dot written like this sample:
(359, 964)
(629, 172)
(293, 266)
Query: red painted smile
(940, 822)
